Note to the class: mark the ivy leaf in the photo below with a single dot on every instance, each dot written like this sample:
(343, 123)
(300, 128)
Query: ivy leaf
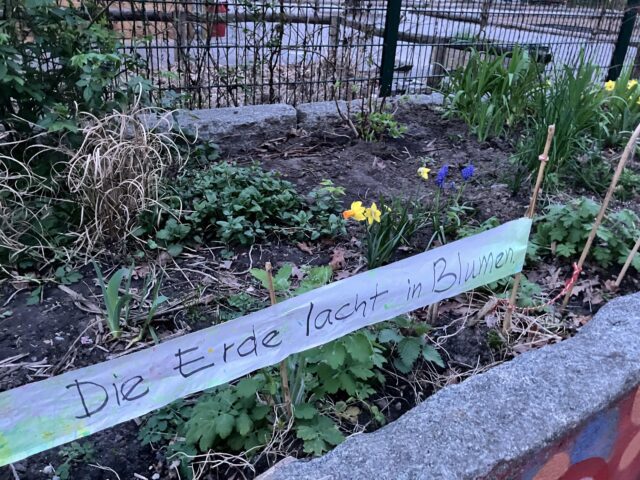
(224, 424)
(430, 354)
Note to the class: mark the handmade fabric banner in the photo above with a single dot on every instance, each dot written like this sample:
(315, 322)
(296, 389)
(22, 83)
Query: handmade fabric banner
(45, 414)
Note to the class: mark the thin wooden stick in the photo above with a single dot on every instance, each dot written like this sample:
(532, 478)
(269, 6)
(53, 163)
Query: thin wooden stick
(626, 155)
(284, 373)
(627, 263)
(544, 157)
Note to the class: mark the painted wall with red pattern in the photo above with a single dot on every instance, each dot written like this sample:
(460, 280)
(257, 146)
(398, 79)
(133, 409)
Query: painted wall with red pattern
(606, 447)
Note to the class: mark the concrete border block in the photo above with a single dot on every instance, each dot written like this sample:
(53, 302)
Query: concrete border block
(492, 424)
(240, 128)
(319, 114)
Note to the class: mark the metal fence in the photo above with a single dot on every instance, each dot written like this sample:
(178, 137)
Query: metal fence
(211, 53)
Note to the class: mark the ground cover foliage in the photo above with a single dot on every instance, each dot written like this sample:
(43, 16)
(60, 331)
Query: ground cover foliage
(92, 170)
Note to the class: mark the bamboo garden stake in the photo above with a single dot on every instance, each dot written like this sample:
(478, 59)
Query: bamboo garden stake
(284, 374)
(627, 263)
(506, 324)
(626, 155)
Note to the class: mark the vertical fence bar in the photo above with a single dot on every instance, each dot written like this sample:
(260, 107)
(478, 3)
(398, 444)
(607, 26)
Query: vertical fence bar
(624, 38)
(390, 42)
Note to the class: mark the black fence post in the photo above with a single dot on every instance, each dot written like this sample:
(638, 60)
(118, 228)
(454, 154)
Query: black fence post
(390, 42)
(624, 38)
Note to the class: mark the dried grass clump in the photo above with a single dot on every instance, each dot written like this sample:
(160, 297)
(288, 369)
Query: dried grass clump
(25, 199)
(116, 172)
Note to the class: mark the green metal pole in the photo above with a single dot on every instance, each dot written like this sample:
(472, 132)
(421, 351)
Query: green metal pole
(624, 38)
(390, 42)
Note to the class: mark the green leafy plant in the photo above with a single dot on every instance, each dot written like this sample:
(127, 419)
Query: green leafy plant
(113, 301)
(232, 418)
(319, 433)
(448, 213)
(622, 103)
(162, 425)
(494, 92)
(470, 228)
(66, 275)
(594, 173)
(374, 126)
(73, 454)
(240, 304)
(408, 342)
(575, 105)
(398, 221)
(563, 230)
(348, 365)
(528, 294)
(239, 205)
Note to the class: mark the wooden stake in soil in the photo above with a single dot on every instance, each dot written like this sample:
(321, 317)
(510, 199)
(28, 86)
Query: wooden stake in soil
(284, 374)
(627, 263)
(626, 155)
(506, 324)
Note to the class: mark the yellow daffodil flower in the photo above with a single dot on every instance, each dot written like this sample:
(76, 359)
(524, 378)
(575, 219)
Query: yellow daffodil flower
(357, 212)
(372, 214)
(632, 84)
(424, 172)
(610, 85)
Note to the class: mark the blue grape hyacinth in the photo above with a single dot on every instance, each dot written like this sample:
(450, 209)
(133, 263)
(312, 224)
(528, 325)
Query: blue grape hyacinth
(467, 172)
(442, 176)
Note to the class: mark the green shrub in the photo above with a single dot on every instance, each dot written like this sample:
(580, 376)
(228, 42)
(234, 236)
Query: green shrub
(58, 60)
(564, 228)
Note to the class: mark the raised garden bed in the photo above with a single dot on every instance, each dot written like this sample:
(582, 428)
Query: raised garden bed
(65, 330)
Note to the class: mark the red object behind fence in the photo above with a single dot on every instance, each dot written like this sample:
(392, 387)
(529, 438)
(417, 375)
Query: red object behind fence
(218, 29)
